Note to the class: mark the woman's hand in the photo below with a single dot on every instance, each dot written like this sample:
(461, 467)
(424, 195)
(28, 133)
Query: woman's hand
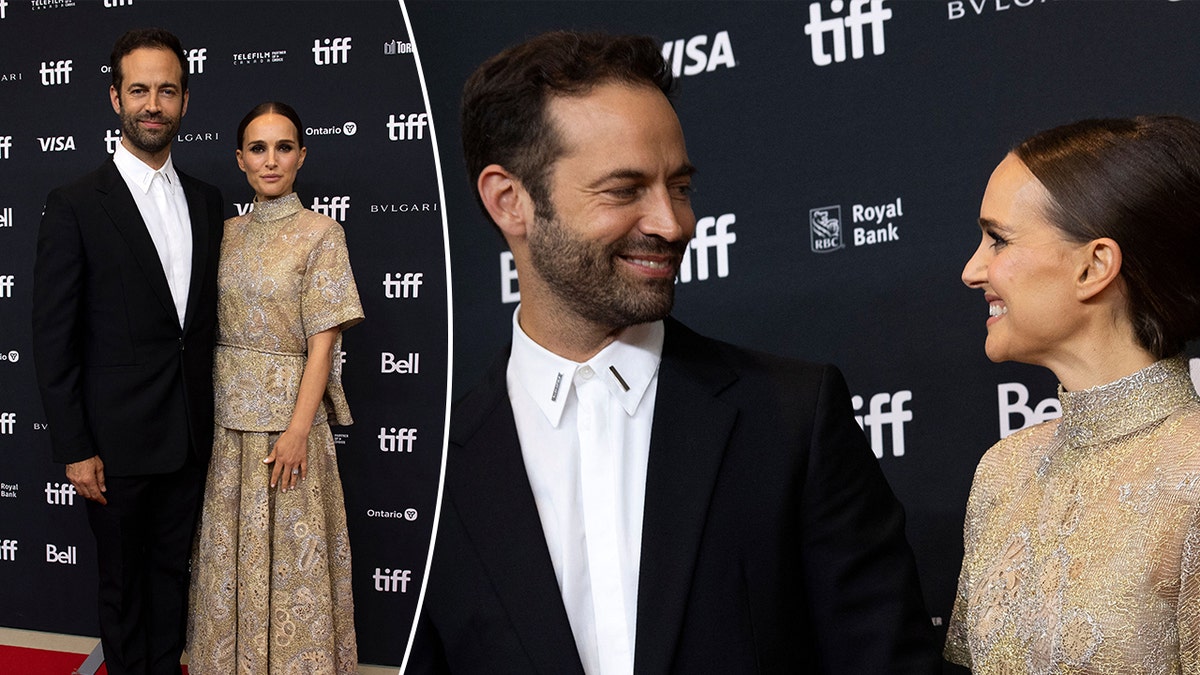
(290, 457)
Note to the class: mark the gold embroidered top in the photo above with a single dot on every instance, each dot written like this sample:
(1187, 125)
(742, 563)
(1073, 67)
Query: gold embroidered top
(284, 276)
(1082, 537)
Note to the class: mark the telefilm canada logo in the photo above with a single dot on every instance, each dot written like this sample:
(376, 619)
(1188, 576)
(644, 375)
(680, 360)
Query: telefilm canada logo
(39, 5)
(862, 13)
(264, 56)
(695, 55)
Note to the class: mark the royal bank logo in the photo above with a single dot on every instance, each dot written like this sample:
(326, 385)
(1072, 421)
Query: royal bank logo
(8, 549)
(407, 127)
(56, 72)
(331, 51)
(696, 54)
(712, 234)
(884, 410)
(392, 580)
(66, 556)
(392, 439)
(118, 3)
(403, 285)
(334, 207)
(9, 490)
(196, 59)
(825, 229)
(862, 13)
(8, 423)
(60, 494)
(393, 47)
(39, 5)
(7, 282)
(56, 143)
(1015, 411)
(111, 138)
(407, 514)
(6, 217)
(403, 365)
(249, 58)
(346, 129)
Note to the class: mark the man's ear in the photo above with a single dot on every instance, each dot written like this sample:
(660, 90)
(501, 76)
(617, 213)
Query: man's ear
(505, 199)
(1099, 266)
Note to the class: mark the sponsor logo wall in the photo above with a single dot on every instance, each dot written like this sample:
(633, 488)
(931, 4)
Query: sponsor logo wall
(56, 124)
(843, 147)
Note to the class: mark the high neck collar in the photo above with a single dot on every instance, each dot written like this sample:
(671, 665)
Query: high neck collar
(274, 209)
(1112, 410)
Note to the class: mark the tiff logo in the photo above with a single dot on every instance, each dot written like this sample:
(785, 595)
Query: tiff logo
(334, 207)
(392, 439)
(402, 285)
(6, 217)
(55, 72)
(8, 423)
(8, 549)
(60, 494)
(3, 9)
(7, 281)
(392, 581)
(407, 127)
(706, 238)
(5, 146)
(837, 26)
(331, 51)
(196, 59)
(876, 419)
(111, 138)
(117, 3)
(1013, 398)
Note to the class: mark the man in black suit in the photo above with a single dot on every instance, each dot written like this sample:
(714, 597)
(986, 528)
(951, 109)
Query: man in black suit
(124, 316)
(623, 495)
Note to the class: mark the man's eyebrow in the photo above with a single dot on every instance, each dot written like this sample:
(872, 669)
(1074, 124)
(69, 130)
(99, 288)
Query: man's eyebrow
(633, 174)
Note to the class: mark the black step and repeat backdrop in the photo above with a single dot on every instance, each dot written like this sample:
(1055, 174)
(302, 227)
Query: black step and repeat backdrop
(350, 71)
(843, 147)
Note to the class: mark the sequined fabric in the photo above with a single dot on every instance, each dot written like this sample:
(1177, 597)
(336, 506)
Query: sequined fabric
(271, 584)
(1082, 537)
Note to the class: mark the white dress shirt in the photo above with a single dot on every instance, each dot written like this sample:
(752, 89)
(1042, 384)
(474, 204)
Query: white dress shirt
(163, 206)
(585, 438)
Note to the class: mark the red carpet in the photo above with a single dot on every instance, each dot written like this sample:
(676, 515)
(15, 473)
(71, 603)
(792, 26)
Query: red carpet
(22, 661)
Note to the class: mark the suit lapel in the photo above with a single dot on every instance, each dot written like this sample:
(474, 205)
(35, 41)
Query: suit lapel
(118, 203)
(690, 431)
(490, 490)
(198, 214)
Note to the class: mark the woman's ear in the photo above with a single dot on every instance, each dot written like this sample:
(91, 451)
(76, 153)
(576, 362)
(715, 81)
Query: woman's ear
(1100, 265)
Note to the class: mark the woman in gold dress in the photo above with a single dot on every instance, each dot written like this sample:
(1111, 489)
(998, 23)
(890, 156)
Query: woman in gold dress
(1082, 535)
(270, 588)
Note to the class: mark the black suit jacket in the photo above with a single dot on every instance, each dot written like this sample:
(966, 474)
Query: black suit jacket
(771, 542)
(118, 376)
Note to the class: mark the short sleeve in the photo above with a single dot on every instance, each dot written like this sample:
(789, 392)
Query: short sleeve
(329, 296)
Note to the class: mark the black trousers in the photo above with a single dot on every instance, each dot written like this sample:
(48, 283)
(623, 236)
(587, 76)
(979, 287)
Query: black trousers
(143, 545)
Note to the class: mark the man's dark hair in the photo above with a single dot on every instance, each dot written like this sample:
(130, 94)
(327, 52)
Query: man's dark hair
(139, 38)
(265, 108)
(1136, 181)
(504, 104)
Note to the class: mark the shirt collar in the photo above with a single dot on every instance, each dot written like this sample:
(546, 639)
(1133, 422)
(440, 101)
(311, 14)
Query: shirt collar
(139, 173)
(627, 366)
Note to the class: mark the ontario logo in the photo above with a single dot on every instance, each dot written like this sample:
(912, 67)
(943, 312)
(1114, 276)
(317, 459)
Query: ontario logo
(825, 229)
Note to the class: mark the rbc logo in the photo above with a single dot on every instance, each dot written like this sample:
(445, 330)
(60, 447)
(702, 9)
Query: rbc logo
(331, 51)
(721, 54)
(825, 228)
(837, 26)
(392, 581)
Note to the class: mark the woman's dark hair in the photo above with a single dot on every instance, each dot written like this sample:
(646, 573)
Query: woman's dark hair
(267, 108)
(1136, 181)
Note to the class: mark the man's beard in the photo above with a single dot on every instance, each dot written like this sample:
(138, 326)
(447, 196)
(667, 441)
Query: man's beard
(147, 140)
(585, 275)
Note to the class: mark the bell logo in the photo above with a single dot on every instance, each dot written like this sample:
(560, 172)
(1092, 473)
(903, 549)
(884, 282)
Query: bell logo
(57, 143)
(67, 556)
(196, 59)
(699, 61)
(8, 549)
(334, 207)
(55, 72)
(392, 581)
(837, 27)
(388, 363)
(6, 217)
(331, 51)
(60, 494)
(876, 419)
(403, 286)
(1012, 398)
(392, 439)
(711, 233)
